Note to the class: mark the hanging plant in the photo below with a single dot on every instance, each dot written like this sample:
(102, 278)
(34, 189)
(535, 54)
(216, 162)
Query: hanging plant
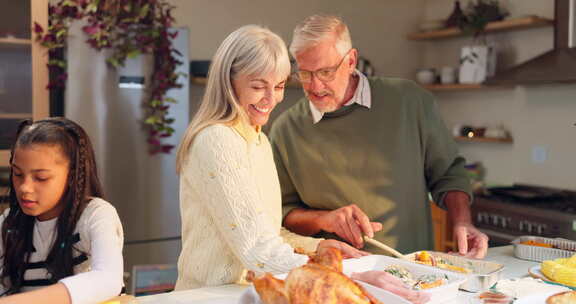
(128, 28)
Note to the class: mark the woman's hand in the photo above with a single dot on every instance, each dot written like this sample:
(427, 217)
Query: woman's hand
(392, 284)
(347, 250)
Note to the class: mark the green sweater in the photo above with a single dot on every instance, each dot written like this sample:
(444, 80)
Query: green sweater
(385, 159)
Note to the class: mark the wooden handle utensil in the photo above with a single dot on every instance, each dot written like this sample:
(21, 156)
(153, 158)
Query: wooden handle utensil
(385, 247)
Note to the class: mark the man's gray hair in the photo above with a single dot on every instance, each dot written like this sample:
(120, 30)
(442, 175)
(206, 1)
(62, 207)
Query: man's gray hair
(316, 28)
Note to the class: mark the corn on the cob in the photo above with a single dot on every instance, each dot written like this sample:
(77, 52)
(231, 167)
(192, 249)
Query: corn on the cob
(561, 270)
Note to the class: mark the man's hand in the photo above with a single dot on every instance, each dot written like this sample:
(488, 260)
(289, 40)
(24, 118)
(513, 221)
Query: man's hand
(348, 251)
(471, 241)
(350, 223)
(392, 284)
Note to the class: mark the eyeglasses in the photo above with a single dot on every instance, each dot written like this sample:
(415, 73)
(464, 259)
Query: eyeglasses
(324, 75)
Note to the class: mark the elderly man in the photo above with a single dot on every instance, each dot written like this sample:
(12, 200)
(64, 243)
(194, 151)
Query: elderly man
(359, 156)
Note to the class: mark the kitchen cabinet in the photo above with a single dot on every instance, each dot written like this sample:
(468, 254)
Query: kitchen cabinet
(441, 224)
(23, 71)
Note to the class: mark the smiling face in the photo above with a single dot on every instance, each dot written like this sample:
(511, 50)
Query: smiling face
(327, 96)
(40, 178)
(258, 95)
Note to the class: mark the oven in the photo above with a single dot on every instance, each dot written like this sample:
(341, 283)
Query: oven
(504, 213)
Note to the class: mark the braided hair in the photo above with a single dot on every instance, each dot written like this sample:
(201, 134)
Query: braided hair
(83, 183)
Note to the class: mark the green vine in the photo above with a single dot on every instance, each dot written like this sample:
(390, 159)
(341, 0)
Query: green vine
(128, 28)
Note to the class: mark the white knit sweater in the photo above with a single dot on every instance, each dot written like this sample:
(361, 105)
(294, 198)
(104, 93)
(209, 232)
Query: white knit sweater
(230, 203)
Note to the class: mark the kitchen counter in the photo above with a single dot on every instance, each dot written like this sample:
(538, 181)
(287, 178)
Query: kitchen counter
(514, 268)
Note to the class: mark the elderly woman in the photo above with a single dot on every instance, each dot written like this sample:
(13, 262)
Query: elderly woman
(230, 197)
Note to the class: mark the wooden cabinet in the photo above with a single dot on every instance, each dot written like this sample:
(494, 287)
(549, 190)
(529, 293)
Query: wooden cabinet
(443, 240)
(23, 71)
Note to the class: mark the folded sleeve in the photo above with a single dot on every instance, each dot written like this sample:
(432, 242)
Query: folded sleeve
(105, 278)
(219, 169)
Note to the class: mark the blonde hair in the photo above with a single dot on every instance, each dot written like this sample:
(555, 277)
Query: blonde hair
(249, 50)
(316, 28)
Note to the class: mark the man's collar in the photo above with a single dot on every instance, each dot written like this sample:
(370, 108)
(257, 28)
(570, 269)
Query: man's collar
(247, 131)
(362, 96)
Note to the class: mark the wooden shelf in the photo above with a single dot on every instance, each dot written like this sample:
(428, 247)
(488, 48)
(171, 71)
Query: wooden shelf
(452, 87)
(507, 140)
(460, 87)
(499, 26)
(198, 80)
(17, 41)
(203, 80)
(14, 43)
(15, 115)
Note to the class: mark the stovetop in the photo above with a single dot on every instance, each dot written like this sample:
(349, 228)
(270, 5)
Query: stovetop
(534, 196)
(507, 212)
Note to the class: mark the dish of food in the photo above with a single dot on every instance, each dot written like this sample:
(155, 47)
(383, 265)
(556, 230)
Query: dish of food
(535, 243)
(423, 257)
(439, 295)
(536, 272)
(426, 281)
(319, 281)
(519, 290)
(481, 274)
(562, 271)
(534, 299)
(567, 297)
(494, 297)
(540, 249)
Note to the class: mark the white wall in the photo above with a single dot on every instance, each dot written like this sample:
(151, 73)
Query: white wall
(378, 30)
(536, 116)
(377, 27)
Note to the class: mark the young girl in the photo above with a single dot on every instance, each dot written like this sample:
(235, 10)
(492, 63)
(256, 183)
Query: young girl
(61, 243)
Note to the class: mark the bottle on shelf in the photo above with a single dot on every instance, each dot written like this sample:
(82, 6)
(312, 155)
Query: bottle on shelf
(457, 17)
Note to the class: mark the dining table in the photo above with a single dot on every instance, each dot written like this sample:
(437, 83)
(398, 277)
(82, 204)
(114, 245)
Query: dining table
(231, 293)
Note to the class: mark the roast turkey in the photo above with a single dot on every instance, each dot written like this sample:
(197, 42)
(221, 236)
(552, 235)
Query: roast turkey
(319, 281)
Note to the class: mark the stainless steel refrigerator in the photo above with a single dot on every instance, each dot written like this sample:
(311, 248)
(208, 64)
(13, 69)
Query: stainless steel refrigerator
(143, 187)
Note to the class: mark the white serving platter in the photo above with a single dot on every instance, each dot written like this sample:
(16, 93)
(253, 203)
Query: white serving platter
(440, 294)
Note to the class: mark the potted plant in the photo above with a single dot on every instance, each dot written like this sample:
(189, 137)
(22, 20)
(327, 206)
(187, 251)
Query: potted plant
(478, 60)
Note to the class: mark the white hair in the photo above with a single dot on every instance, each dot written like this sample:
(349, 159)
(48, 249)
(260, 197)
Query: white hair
(249, 50)
(316, 28)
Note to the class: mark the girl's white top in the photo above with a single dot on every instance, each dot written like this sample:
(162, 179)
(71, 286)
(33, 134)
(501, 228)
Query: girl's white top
(98, 278)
